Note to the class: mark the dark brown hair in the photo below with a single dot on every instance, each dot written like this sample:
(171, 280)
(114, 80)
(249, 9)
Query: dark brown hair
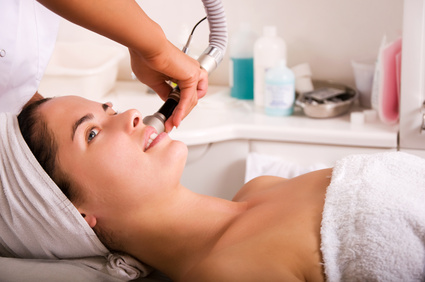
(41, 141)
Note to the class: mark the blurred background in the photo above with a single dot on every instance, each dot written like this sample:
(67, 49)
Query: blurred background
(327, 34)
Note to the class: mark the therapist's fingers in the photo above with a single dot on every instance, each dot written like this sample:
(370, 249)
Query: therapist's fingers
(162, 90)
(202, 87)
(145, 74)
(186, 104)
(188, 100)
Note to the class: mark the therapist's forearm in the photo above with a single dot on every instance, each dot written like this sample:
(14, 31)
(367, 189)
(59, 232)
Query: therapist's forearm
(120, 20)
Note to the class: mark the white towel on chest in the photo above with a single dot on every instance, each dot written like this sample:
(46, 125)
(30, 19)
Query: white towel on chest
(373, 226)
(36, 219)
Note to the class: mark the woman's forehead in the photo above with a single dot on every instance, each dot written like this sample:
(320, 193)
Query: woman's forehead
(62, 112)
(67, 107)
(71, 102)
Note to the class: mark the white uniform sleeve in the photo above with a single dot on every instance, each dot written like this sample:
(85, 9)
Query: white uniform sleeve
(27, 39)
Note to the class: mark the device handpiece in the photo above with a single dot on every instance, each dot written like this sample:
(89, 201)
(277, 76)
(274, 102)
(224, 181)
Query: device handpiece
(157, 120)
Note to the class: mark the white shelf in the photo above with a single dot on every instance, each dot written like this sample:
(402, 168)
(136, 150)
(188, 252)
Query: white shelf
(218, 117)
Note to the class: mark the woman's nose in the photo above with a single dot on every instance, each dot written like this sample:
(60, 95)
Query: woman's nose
(132, 120)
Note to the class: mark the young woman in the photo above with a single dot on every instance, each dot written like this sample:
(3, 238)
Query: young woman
(127, 189)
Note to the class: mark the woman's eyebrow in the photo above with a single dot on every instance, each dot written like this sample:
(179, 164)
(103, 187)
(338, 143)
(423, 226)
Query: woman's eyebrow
(84, 119)
(79, 122)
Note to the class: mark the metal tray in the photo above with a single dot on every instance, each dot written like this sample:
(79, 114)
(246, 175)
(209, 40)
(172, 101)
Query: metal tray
(327, 108)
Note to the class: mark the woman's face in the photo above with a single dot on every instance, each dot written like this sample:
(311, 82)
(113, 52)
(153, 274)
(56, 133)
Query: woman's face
(105, 153)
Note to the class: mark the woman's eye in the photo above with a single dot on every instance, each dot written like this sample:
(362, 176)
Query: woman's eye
(92, 134)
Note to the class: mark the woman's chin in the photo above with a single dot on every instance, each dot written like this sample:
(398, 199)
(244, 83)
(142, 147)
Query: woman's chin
(182, 152)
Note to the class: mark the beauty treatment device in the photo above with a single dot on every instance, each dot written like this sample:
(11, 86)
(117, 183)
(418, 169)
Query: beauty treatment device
(208, 60)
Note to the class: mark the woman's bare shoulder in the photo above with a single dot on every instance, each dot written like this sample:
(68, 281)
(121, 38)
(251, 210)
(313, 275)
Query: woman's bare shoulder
(257, 185)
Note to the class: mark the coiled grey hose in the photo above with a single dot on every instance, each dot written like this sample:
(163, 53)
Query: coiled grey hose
(208, 60)
(213, 55)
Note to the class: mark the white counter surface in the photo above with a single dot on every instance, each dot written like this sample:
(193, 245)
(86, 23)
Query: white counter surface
(218, 117)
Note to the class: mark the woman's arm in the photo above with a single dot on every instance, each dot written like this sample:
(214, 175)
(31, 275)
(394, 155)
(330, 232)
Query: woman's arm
(154, 59)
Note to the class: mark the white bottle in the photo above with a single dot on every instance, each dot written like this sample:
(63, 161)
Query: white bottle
(242, 62)
(268, 51)
(279, 91)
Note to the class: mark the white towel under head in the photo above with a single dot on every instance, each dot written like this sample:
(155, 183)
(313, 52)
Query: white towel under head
(37, 220)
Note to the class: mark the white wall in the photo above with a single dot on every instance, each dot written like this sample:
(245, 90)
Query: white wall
(327, 34)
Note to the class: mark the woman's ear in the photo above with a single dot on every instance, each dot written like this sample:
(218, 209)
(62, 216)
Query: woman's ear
(90, 219)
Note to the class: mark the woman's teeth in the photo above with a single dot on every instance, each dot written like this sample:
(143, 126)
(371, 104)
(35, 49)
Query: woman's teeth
(151, 138)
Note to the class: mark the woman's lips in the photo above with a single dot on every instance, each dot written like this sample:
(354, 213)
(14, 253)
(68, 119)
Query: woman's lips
(151, 138)
(149, 135)
(155, 139)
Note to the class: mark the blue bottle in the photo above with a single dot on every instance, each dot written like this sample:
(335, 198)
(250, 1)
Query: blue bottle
(242, 63)
(279, 92)
(242, 85)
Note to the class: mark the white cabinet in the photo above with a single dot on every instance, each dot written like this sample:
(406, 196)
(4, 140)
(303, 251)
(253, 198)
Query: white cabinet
(216, 169)
(412, 107)
(307, 154)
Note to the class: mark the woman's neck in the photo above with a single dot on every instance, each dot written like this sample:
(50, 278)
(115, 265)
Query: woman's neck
(175, 232)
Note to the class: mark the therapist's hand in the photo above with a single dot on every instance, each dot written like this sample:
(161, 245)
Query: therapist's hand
(171, 64)
(153, 58)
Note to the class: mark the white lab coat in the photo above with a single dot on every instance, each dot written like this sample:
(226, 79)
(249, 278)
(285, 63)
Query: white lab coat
(28, 34)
